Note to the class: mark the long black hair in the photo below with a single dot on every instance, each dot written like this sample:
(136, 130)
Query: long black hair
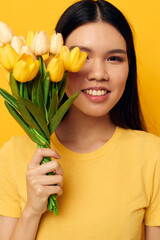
(127, 112)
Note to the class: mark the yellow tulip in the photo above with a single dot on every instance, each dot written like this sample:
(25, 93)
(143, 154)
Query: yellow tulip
(73, 60)
(4, 73)
(77, 59)
(65, 55)
(29, 39)
(27, 50)
(17, 42)
(56, 43)
(56, 69)
(8, 56)
(6, 33)
(40, 43)
(1, 43)
(25, 69)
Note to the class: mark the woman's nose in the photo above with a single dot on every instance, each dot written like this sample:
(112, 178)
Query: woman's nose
(98, 71)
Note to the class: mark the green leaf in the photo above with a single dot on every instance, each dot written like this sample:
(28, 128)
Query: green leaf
(35, 113)
(9, 98)
(28, 117)
(53, 106)
(42, 67)
(62, 87)
(46, 85)
(14, 85)
(56, 119)
(22, 123)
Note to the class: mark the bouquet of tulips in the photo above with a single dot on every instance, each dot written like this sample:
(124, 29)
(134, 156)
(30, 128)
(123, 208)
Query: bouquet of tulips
(37, 72)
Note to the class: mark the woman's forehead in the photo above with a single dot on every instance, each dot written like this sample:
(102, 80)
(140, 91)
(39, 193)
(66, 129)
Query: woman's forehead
(96, 34)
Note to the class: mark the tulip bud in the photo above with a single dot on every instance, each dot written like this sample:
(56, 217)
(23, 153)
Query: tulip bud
(77, 59)
(65, 55)
(27, 50)
(56, 43)
(8, 56)
(40, 43)
(25, 68)
(29, 38)
(6, 33)
(17, 42)
(56, 69)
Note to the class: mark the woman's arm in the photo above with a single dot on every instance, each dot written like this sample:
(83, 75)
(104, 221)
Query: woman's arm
(7, 225)
(39, 187)
(152, 233)
(23, 228)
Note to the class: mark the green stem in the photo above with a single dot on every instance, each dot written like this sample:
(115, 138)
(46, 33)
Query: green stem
(52, 200)
(21, 89)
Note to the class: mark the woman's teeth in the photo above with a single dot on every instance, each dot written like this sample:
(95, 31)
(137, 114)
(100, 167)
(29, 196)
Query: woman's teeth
(95, 92)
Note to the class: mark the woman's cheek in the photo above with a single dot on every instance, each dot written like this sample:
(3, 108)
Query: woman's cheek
(74, 83)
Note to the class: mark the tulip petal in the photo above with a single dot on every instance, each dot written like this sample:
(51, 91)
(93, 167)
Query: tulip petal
(11, 54)
(26, 58)
(4, 73)
(8, 56)
(75, 53)
(65, 55)
(56, 69)
(56, 43)
(4, 60)
(25, 69)
(29, 38)
(6, 33)
(34, 67)
(77, 66)
(25, 49)
(21, 71)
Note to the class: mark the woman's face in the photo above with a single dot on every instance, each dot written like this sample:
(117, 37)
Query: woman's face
(102, 79)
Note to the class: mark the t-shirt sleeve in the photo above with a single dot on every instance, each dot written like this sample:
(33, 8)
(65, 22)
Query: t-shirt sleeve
(9, 197)
(152, 215)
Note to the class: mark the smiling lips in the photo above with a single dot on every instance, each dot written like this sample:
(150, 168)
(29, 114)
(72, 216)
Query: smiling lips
(96, 91)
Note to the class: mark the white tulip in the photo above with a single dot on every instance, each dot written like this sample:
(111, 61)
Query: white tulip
(27, 50)
(6, 33)
(40, 43)
(17, 42)
(56, 43)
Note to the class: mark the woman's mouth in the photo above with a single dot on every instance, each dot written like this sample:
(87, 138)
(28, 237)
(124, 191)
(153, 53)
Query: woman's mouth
(95, 92)
(96, 95)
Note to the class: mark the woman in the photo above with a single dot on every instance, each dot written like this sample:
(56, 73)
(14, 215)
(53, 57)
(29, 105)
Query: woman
(111, 167)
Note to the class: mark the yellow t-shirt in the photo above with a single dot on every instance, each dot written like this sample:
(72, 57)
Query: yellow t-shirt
(107, 194)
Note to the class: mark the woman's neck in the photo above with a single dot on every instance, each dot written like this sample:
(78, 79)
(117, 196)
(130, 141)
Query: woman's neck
(82, 133)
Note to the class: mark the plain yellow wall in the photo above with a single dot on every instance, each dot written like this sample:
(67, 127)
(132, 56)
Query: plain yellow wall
(144, 17)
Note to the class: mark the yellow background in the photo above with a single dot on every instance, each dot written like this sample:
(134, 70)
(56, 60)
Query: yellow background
(144, 17)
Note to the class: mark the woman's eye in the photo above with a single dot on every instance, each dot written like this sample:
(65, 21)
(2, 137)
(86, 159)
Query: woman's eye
(115, 58)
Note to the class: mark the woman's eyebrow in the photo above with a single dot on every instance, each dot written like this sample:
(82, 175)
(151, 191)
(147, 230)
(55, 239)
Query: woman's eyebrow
(118, 50)
(82, 48)
(112, 51)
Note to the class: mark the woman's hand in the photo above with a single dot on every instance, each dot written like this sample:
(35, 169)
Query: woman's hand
(39, 185)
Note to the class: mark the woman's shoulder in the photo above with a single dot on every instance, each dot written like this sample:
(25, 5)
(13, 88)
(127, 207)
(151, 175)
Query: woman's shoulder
(18, 142)
(18, 147)
(139, 137)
